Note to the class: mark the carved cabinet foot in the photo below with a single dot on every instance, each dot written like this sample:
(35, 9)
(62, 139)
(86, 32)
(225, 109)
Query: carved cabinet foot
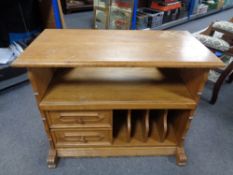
(52, 158)
(181, 158)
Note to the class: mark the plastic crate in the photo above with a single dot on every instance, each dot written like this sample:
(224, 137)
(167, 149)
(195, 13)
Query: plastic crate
(142, 20)
(164, 2)
(164, 8)
(171, 15)
(155, 17)
(171, 11)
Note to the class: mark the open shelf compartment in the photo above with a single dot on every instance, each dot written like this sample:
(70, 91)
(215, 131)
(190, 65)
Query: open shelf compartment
(148, 127)
(116, 88)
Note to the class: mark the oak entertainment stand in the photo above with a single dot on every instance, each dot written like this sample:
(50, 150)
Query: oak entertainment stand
(116, 93)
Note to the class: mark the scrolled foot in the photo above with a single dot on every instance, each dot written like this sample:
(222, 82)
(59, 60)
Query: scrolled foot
(52, 159)
(181, 158)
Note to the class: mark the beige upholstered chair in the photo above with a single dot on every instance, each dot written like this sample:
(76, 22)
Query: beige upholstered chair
(224, 45)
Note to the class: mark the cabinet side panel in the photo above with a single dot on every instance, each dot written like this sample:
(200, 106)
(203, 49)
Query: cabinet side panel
(181, 120)
(194, 80)
(40, 79)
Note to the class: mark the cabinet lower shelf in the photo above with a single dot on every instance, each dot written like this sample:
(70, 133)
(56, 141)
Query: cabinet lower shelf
(121, 151)
(116, 151)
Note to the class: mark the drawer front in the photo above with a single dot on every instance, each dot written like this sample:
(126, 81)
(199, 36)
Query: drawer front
(74, 138)
(68, 119)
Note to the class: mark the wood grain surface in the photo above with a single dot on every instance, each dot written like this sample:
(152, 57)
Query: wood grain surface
(112, 48)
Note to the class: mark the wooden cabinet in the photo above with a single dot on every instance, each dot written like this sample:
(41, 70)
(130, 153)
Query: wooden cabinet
(117, 93)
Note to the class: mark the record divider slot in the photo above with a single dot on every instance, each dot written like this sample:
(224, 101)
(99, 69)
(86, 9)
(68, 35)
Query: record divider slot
(129, 128)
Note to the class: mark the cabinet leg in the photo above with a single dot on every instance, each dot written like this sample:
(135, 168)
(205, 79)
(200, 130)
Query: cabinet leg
(52, 158)
(181, 158)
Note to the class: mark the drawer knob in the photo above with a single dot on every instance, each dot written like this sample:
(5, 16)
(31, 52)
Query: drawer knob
(83, 139)
(80, 120)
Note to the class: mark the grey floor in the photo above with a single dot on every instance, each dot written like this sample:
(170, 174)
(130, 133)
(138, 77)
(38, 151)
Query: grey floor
(209, 143)
(82, 20)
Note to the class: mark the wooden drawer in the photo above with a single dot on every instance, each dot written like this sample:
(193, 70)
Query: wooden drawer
(69, 119)
(74, 138)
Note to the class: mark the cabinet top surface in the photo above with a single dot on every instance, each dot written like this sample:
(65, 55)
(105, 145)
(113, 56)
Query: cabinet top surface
(113, 48)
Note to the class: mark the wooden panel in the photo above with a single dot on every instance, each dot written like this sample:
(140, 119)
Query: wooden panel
(116, 151)
(138, 132)
(194, 80)
(74, 138)
(180, 120)
(71, 119)
(129, 127)
(162, 125)
(145, 125)
(116, 88)
(122, 125)
(158, 124)
(40, 79)
(116, 48)
(47, 14)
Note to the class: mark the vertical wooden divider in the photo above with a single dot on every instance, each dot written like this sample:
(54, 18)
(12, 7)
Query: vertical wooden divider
(162, 125)
(146, 125)
(129, 128)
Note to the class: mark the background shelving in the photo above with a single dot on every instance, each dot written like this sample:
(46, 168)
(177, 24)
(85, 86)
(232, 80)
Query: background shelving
(192, 13)
(188, 12)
